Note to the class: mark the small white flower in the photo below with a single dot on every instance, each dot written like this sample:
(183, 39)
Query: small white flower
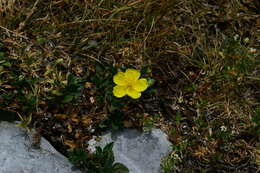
(246, 40)
(92, 145)
(210, 131)
(236, 37)
(252, 50)
(223, 128)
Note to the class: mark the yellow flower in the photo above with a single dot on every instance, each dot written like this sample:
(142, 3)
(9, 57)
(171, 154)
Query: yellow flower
(128, 83)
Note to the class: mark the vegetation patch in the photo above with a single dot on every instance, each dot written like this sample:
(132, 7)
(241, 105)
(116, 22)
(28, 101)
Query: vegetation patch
(199, 70)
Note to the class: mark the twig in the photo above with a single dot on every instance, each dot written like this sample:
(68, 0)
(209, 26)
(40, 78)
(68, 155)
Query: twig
(91, 57)
(22, 24)
(91, 20)
(15, 33)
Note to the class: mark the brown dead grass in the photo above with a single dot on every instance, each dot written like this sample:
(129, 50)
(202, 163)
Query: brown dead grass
(202, 73)
(6, 5)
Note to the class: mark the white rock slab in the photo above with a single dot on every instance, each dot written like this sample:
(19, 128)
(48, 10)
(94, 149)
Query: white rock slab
(17, 155)
(139, 152)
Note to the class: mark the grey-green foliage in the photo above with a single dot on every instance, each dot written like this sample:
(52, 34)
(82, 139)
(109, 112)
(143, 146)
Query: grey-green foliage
(102, 161)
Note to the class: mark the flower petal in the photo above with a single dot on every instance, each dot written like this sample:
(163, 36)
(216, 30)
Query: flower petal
(119, 79)
(119, 91)
(132, 75)
(133, 93)
(141, 85)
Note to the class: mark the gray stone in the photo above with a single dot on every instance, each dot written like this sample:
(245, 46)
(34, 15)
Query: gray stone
(140, 152)
(18, 156)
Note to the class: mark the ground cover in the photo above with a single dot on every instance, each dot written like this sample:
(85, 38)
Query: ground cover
(200, 58)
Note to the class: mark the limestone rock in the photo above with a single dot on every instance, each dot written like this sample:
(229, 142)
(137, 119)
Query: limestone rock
(18, 156)
(139, 152)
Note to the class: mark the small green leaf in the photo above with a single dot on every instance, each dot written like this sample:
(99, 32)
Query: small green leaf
(109, 159)
(256, 116)
(2, 55)
(67, 99)
(56, 92)
(58, 61)
(150, 82)
(109, 147)
(78, 157)
(99, 68)
(120, 168)
(179, 118)
(99, 150)
(41, 40)
(7, 64)
(72, 80)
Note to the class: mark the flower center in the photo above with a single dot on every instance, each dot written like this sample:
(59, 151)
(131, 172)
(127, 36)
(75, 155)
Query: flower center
(129, 86)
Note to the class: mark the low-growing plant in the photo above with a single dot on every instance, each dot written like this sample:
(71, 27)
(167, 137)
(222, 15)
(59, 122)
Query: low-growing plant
(112, 86)
(68, 92)
(205, 51)
(114, 120)
(101, 161)
(170, 162)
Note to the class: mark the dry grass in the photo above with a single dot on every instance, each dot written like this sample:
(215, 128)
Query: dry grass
(203, 55)
(6, 5)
